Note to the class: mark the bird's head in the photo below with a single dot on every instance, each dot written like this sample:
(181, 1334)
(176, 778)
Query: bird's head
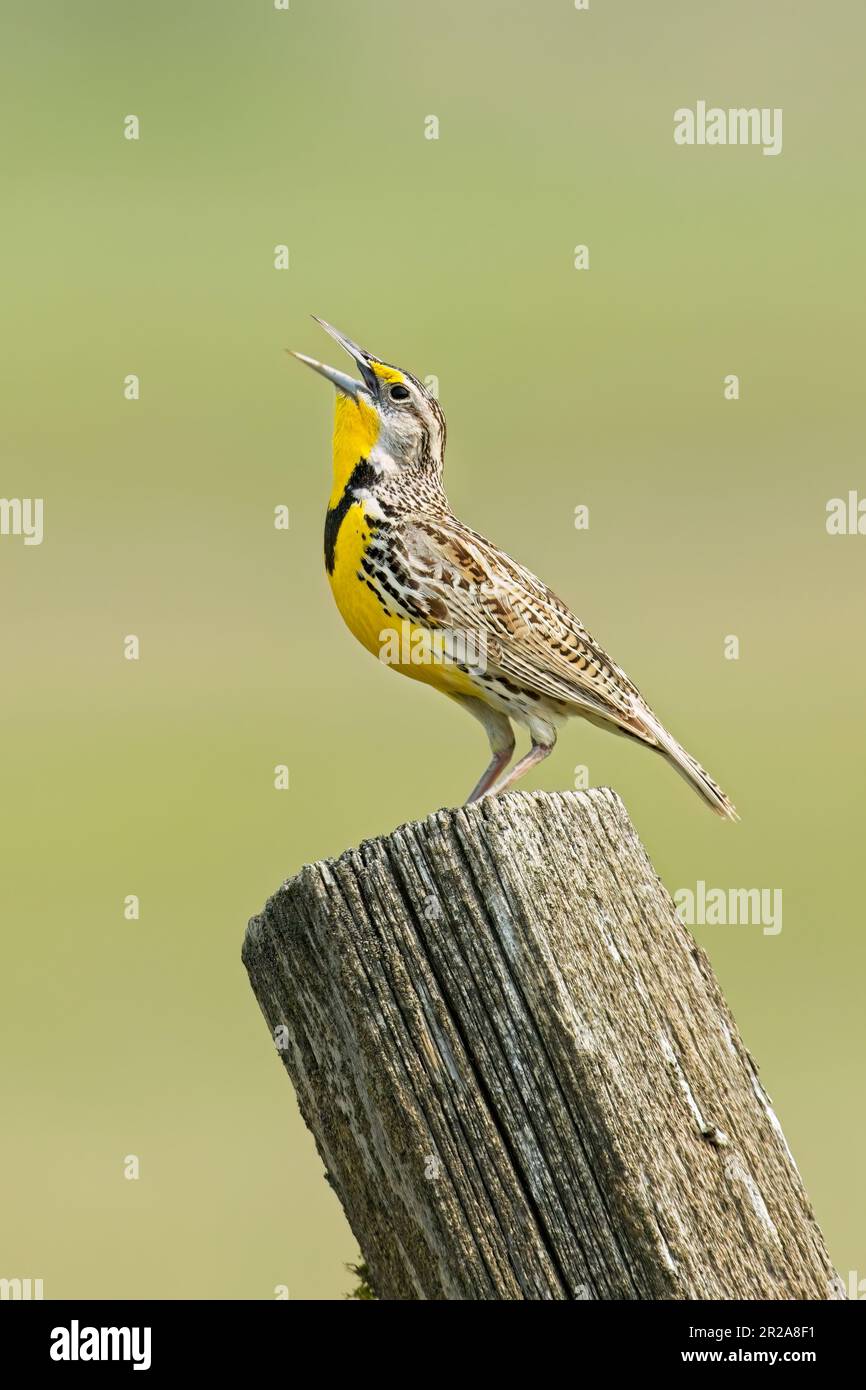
(384, 415)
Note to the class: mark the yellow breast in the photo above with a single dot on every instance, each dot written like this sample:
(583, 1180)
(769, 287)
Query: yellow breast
(347, 536)
(362, 612)
(406, 646)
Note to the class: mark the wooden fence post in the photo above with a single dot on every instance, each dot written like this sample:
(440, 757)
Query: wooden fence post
(519, 1069)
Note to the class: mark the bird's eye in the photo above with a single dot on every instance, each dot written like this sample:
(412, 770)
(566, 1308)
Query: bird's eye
(399, 393)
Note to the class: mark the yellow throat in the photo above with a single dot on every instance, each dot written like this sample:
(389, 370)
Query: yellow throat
(356, 431)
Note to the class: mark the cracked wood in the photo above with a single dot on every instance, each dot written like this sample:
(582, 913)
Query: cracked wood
(519, 1069)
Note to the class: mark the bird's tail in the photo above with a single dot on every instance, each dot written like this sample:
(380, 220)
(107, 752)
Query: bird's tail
(687, 766)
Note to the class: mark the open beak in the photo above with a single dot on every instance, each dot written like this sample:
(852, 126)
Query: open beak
(347, 384)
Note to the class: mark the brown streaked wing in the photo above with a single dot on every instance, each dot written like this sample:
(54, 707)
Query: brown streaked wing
(539, 642)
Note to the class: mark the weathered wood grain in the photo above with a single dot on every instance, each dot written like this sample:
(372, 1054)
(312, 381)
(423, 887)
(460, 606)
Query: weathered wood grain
(519, 1069)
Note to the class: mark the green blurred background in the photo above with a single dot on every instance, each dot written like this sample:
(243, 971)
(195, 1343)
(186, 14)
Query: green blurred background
(452, 257)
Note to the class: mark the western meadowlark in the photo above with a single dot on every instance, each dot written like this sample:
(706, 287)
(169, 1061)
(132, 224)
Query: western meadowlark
(450, 608)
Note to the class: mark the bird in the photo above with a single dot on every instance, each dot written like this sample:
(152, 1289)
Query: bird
(443, 605)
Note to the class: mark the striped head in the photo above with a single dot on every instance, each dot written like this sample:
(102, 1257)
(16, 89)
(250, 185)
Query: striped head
(387, 418)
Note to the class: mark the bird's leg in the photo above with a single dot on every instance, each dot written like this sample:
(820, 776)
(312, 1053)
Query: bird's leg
(489, 776)
(537, 753)
(501, 736)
